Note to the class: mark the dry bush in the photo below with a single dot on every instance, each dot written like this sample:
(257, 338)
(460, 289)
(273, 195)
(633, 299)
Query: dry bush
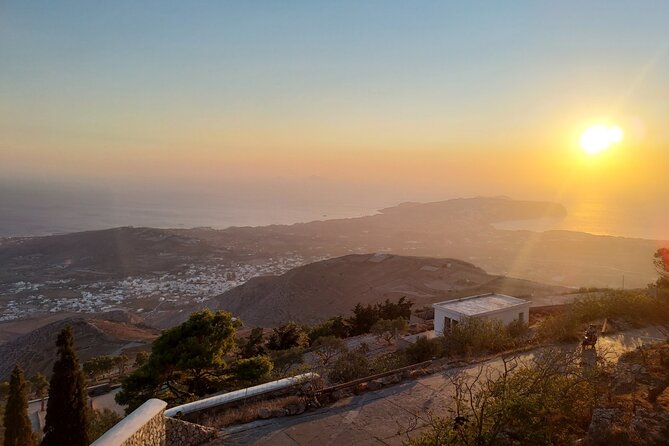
(246, 413)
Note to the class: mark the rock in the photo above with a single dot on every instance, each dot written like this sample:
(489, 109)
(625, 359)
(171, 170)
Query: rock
(392, 379)
(374, 385)
(360, 388)
(600, 431)
(337, 395)
(296, 409)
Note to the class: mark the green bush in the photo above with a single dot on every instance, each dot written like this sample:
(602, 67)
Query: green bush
(349, 366)
(477, 335)
(335, 326)
(424, 349)
(252, 369)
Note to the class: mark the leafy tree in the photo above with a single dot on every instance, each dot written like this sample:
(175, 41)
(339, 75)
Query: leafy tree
(389, 310)
(18, 429)
(661, 262)
(254, 345)
(121, 363)
(41, 387)
(141, 358)
(350, 365)
(386, 329)
(99, 365)
(100, 421)
(364, 317)
(335, 326)
(182, 356)
(424, 349)
(252, 369)
(477, 335)
(287, 336)
(327, 347)
(4, 389)
(284, 360)
(66, 414)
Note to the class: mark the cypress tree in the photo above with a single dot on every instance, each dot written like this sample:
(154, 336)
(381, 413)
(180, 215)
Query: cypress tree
(18, 429)
(66, 410)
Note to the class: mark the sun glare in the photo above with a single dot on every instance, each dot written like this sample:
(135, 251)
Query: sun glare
(600, 137)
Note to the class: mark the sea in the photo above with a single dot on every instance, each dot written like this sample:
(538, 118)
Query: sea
(25, 212)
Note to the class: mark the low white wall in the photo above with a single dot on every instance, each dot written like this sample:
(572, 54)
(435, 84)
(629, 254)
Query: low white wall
(239, 395)
(144, 426)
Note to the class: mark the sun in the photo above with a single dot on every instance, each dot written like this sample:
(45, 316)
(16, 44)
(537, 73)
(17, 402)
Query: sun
(600, 137)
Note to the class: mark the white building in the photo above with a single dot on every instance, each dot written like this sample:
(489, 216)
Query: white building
(491, 305)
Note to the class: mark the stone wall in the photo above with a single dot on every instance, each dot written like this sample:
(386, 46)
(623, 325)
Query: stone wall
(145, 426)
(183, 433)
(153, 433)
(148, 426)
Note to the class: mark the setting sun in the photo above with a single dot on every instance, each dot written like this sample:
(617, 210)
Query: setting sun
(600, 137)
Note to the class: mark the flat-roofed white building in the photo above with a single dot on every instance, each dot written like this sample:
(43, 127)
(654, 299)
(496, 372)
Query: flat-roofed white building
(492, 306)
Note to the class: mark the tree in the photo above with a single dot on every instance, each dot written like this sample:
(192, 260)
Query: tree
(327, 347)
(121, 363)
(545, 400)
(287, 336)
(141, 358)
(4, 389)
(254, 345)
(350, 365)
(66, 414)
(100, 421)
(181, 356)
(661, 262)
(335, 326)
(252, 370)
(363, 319)
(387, 329)
(390, 310)
(424, 349)
(41, 387)
(284, 360)
(18, 429)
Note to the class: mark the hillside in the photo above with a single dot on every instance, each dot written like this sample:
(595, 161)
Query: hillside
(319, 290)
(102, 335)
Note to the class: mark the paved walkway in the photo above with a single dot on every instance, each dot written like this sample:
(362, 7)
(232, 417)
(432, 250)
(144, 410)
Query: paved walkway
(380, 417)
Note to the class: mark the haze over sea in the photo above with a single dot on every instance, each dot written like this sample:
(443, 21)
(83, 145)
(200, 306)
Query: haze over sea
(29, 210)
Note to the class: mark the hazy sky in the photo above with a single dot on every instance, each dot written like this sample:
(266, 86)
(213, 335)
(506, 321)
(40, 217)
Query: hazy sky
(472, 97)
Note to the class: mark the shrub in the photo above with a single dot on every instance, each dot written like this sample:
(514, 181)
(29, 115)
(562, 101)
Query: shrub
(335, 326)
(252, 369)
(349, 366)
(287, 336)
(100, 421)
(517, 329)
(327, 347)
(386, 328)
(424, 349)
(284, 360)
(477, 335)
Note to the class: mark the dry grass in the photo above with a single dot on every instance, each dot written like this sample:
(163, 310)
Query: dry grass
(246, 412)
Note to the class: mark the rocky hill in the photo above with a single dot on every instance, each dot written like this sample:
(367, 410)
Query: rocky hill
(101, 335)
(323, 289)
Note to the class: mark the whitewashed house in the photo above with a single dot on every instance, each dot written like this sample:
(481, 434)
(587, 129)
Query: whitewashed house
(492, 306)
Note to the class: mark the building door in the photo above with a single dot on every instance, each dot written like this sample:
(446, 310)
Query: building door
(521, 317)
